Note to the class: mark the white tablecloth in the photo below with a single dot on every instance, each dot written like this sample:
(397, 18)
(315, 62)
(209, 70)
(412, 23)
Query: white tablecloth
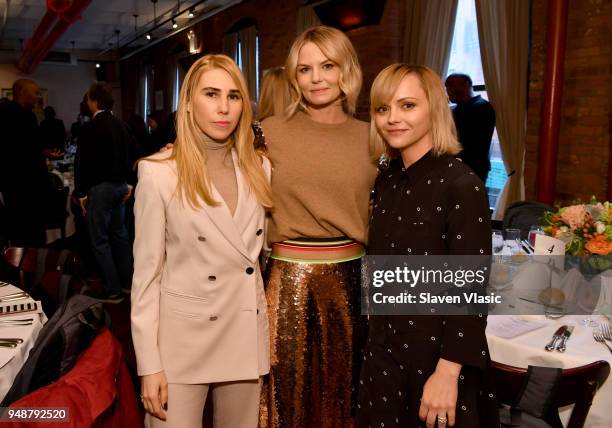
(12, 359)
(528, 349)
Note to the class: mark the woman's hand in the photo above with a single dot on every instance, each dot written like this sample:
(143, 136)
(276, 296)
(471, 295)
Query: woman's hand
(166, 147)
(154, 394)
(440, 395)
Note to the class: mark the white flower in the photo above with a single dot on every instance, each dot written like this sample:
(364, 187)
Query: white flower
(564, 229)
(601, 228)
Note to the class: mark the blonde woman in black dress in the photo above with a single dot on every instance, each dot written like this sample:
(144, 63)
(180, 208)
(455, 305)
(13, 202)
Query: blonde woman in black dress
(420, 371)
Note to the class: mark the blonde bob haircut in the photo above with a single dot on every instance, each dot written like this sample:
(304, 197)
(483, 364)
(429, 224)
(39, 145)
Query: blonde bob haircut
(193, 181)
(444, 135)
(274, 96)
(337, 48)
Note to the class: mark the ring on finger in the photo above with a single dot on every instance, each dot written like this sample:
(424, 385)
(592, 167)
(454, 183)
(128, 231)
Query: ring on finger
(442, 420)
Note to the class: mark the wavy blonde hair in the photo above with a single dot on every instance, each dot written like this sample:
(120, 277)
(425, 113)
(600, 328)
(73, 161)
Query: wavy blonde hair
(193, 179)
(274, 96)
(443, 132)
(337, 48)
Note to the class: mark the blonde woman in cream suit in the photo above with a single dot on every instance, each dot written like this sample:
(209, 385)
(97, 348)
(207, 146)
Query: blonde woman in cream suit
(199, 319)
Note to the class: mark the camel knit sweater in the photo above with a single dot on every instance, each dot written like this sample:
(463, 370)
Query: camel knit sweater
(321, 180)
(221, 171)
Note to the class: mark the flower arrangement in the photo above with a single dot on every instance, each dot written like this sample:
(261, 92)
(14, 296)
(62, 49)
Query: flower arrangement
(586, 229)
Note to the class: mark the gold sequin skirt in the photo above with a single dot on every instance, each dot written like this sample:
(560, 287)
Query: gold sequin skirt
(317, 334)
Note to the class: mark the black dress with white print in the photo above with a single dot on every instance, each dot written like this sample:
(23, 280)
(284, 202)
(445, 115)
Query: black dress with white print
(436, 206)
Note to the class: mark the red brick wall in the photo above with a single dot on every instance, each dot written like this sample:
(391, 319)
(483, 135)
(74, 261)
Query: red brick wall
(377, 45)
(587, 93)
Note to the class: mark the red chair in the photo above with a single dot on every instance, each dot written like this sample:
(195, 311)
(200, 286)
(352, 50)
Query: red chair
(47, 274)
(30, 264)
(97, 392)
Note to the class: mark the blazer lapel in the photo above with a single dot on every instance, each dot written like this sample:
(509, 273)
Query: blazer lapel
(222, 217)
(246, 208)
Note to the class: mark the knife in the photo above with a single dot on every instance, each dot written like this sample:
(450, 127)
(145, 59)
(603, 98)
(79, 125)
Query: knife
(11, 340)
(551, 345)
(566, 335)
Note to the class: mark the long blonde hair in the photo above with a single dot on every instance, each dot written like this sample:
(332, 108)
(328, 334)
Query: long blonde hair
(337, 47)
(274, 96)
(443, 132)
(193, 179)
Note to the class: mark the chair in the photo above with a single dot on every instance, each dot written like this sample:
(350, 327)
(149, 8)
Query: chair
(576, 386)
(95, 387)
(49, 275)
(31, 263)
(524, 214)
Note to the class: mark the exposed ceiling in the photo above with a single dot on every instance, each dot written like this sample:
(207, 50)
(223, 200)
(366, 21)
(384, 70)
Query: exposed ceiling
(96, 29)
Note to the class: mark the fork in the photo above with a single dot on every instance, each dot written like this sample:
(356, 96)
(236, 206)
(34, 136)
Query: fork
(606, 331)
(599, 338)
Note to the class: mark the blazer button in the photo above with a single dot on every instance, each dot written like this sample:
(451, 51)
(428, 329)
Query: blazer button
(201, 238)
(212, 278)
(213, 318)
(250, 270)
(259, 232)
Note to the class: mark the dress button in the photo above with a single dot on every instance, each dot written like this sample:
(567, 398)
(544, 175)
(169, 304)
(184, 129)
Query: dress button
(259, 232)
(212, 278)
(201, 238)
(249, 270)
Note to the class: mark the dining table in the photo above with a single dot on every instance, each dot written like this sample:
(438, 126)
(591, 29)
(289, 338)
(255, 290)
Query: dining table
(527, 349)
(12, 359)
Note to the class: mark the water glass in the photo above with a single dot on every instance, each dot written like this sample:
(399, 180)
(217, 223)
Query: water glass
(497, 241)
(513, 240)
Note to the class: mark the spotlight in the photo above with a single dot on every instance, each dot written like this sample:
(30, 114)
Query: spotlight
(148, 36)
(174, 24)
(97, 65)
(191, 12)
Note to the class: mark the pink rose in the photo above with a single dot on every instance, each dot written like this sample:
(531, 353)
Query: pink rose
(574, 215)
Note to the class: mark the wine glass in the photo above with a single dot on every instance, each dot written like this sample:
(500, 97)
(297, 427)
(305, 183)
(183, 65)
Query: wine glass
(533, 231)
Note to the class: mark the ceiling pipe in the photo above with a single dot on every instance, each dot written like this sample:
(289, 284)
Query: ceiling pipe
(61, 14)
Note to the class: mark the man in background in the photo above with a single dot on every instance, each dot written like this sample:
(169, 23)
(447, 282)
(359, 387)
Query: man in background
(103, 181)
(24, 177)
(475, 122)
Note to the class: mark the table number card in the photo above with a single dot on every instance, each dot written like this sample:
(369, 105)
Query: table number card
(548, 246)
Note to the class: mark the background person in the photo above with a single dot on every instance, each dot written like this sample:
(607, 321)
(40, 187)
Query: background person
(103, 180)
(475, 122)
(274, 96)
(24, 178)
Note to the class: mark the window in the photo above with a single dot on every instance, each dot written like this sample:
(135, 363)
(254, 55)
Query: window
(145, 105)
(242, 42)
(239, 61)
(177, 88)
(465, 58)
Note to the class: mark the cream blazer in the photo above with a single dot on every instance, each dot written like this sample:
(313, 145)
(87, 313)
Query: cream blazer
(198, 304)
